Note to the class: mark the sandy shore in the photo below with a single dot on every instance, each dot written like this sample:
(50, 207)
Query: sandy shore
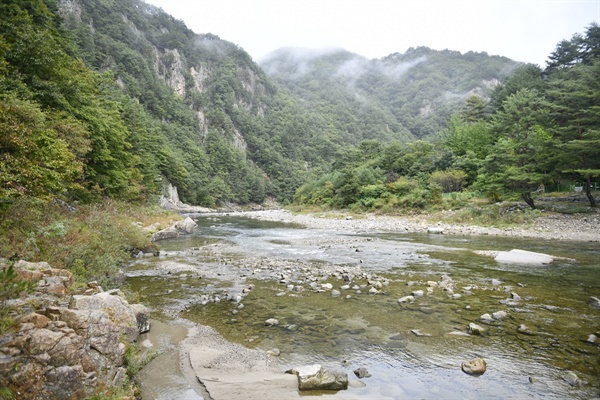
(553, 226)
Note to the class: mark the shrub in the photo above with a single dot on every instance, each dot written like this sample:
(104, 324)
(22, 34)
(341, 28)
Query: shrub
(402, 186)
(450, 180)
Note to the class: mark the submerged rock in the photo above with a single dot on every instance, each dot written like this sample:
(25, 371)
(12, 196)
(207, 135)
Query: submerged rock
(572, 379)
(474, 367)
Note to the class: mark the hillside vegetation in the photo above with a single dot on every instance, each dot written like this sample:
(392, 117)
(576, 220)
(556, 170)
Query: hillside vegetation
(538, 129)
(104, 102)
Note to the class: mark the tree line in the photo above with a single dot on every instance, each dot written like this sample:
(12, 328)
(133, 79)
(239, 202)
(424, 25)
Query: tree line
(540, 126)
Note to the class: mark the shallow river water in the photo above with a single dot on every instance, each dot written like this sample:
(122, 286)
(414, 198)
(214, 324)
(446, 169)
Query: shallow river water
(205, 278)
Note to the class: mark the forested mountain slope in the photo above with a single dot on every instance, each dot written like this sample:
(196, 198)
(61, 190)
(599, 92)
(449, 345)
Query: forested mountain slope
(400, 96)
(115, 98)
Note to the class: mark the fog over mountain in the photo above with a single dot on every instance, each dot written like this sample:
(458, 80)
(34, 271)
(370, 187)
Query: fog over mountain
(419, 89)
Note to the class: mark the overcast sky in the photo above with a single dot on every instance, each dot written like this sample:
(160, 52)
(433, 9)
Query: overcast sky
(524, 30)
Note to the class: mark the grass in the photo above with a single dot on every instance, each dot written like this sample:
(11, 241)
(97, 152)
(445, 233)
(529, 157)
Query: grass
(93, 241)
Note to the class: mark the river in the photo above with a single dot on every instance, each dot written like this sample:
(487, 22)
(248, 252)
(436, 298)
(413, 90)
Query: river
(234, 273)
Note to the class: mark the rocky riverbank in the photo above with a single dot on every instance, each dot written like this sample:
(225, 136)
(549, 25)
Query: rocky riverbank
(230, 370)
(66, 345)
(554, 226)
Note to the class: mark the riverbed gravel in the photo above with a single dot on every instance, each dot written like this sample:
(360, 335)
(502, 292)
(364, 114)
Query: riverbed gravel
(553, 226)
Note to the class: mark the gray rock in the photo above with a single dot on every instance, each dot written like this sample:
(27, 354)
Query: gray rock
(572, 379)
(362, 373)
(166, 233)
(487, 318)
(594, 302)
(499, 315)
(475, 329)
(406, 299)
(417, 293)
(272, 322)
(121, 313)
(315, 377)
(186, 226)
(591, 339)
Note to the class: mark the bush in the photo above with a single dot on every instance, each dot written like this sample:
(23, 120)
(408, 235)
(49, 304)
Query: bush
(402, 186)
(449, 180)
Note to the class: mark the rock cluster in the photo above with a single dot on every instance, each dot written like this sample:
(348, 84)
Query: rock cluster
(68, 352)
(183, 227)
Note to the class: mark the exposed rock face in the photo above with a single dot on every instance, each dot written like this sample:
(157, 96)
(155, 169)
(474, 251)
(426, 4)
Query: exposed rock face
(67, 353)
(169, 200)
(50, 280)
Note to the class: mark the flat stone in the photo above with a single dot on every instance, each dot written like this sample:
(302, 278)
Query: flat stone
(516, 256)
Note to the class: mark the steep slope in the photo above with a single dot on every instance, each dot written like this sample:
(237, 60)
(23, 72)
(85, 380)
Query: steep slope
(397, 97)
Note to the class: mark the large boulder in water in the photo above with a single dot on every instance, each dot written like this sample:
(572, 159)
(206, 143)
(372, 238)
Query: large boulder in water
(186, 226)
(315, 377)
(516, 256)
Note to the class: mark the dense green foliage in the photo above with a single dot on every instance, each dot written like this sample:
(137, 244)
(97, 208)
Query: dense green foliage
(539, 127)
(114, 98)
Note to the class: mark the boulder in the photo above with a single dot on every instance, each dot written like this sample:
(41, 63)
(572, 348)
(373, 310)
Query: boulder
(63, 354)
(474, 367)
(167, 233)
(315, 377)
(186, 226)
(516, 256)
(117, 307)
(406, 299)
(272, 322)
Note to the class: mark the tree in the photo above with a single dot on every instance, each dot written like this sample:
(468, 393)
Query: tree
(516, 162)
(574, 96)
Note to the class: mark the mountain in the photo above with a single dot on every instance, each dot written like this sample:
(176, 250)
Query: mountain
(398, 97)
(123, 98)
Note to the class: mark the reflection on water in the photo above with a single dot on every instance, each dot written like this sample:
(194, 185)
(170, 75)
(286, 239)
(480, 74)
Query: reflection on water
(356, 329)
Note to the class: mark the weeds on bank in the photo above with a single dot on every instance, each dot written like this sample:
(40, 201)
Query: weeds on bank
(92, 241)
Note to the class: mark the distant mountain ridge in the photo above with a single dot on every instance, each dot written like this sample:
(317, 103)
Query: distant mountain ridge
(412, 93)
